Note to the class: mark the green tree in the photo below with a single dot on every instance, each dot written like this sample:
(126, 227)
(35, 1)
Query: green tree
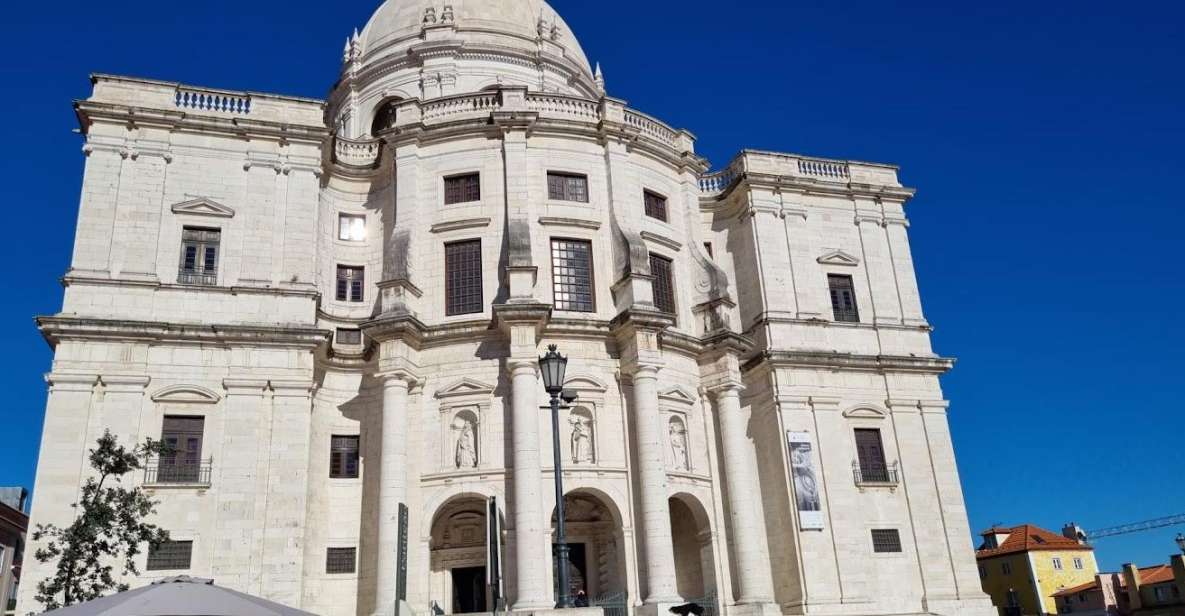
(109, 529)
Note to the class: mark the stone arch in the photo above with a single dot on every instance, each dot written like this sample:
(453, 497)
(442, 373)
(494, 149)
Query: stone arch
(597, 543)
(383, 117)
(692, 538)
(457, 552)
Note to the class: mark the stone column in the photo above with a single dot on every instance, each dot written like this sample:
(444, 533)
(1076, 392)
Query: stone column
(658, 551)
(744, 500)
(531, 551)
(392, 486)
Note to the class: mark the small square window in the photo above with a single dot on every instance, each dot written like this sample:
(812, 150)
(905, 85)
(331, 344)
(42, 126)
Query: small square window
(1078, 563)
(341, 560)
(567, 187)
(886, 541)
(349, 336)
(350, 283)
(656, 205)
(1006, 568)
(351, 227)
(170, 556)
(1057, 564)
(343, 457)
(462, 188)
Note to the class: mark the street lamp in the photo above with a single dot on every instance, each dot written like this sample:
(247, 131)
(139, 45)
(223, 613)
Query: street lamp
(553, 365)
(1181, 542)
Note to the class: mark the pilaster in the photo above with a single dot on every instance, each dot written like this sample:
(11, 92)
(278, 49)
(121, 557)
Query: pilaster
(238, 481)
(288, 478)
(878, 263)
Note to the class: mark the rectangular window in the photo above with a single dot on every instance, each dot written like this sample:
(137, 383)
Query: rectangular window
(462, 188)
(1162, 593)
(572, 275)
(170, 556)
(843, 298)
(181, 460)
(340, 560)
(656, 205)
(343, 457)
(349, 336)
(199, 256)
(1057, 564)
(1006, 568)
(462, 266)
(662, 269)
(1078, 563)
(886, 541)
(350, 283)
(870, 454)
(567, 187)
(351, 227)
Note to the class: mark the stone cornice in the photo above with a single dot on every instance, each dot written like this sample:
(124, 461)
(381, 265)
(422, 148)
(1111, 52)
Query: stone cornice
(90, 111)
(58, 328)
(401, 326)
(78, 278)
(850, 361)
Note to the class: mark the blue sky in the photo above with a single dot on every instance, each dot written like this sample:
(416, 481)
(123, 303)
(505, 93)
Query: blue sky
(1045, 139)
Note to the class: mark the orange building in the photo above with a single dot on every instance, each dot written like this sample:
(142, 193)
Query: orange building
(1022, 567)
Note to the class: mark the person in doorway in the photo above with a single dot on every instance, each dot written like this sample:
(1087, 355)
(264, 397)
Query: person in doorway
(581, 599)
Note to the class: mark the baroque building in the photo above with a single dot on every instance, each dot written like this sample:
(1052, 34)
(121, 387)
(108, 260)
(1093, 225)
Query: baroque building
(333, 310)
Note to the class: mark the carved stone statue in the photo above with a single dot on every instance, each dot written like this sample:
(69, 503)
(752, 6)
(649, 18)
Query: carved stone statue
(466, 450)
(446, 17)
(581, 446)
(679, 446)
(429, 16)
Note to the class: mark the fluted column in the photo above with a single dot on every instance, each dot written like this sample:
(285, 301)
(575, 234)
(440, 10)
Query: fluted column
(529, 537)
(392, 487)
(755, 581)
(658, 551)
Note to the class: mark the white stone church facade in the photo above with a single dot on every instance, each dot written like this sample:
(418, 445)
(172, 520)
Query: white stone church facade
(334, 308)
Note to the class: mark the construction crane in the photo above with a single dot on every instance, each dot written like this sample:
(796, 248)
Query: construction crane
(1124, 529)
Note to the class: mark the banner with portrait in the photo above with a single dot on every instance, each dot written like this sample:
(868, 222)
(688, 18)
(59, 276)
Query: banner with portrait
(805, 480)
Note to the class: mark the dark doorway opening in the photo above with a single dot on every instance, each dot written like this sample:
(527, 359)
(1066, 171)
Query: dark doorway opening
(469, 590)
(577, 570)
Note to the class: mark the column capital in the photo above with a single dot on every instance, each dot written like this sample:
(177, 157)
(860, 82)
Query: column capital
(291, 388)
(58, 381)
(519, 365)
(125, 384)
(725, 387)
(399, 378)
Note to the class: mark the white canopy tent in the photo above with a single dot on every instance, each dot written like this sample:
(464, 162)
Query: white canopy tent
(179, 596)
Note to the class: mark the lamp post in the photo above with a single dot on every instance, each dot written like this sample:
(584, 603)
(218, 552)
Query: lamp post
(1181, 542)
(553, 365)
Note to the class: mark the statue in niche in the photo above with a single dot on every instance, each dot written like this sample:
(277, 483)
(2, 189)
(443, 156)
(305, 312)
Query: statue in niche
(679, 446)
(466, 449)
(581, 444)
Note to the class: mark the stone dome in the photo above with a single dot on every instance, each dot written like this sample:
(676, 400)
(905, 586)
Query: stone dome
(517, 25)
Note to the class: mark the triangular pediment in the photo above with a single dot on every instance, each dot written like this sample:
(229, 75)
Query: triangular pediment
(465, 387)
(677, 394)
(190, 394)
(865, 412)
(203, 207)
(839, 257)
(584, 383)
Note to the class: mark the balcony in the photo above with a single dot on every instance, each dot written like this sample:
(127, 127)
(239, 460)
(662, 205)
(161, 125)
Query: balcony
(876, 476)
(357, 153)
(178, 473)
(206, 278)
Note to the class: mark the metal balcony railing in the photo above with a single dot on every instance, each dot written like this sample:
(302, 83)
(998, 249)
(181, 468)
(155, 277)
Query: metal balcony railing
(170, 472)
(206, 278)
(876, 474)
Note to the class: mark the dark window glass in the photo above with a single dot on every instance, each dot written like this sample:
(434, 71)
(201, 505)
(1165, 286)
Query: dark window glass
(462, 266)
(199, 256)
(170, 556)
(664, 283)
(886, 540)
(181, 460)
(656, 205)
(343, 457)
(567, 187)
(572, 275)
(349, 336)
(340, 560)
(871, 454)
(843, 298)
(350, 283)
(462, 188)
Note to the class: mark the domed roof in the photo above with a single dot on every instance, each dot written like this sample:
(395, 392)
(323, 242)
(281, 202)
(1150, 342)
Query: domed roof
(505, 23)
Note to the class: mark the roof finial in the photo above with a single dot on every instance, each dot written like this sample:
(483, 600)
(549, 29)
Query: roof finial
(599, 77)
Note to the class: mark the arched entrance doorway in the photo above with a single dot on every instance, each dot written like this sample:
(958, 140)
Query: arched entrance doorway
(458, 557)
(695, 563)
(596, 543)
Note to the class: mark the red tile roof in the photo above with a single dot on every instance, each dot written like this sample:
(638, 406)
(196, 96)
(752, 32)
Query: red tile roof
(1156, 575)
(1077, 589)
(1028, 538)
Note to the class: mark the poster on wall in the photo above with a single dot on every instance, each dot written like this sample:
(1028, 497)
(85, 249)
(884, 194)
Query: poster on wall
(806, 483)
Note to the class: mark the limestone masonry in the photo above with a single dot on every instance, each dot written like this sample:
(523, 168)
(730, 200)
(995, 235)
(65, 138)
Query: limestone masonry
(334, 308)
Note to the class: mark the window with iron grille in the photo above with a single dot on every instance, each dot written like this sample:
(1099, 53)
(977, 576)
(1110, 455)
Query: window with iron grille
(567, 187)
(348, 336)
(572, 275)
(870, 452)
(340, 560)
(351, 227)
(462, 188)
(181, 459)
(170, 556)
(343, 457)
(843, 298)
(462, 266)
(350, 283)
(656, 205)
(664, 283)
(886, 540)
(199, 256)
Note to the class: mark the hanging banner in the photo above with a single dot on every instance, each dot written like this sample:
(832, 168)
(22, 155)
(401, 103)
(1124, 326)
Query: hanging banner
(806, 482)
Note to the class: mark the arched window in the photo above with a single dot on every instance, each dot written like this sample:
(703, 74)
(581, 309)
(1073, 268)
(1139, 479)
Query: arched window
(384, 116)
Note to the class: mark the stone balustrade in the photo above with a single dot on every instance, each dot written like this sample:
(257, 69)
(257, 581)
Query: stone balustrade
(358, 153)
(793, 166)
(213, 100)
(562, 107)
(461, 107)
(652, 128)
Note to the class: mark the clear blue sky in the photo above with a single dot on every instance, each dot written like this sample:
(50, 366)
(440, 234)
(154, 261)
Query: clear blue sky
(1045, 138)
